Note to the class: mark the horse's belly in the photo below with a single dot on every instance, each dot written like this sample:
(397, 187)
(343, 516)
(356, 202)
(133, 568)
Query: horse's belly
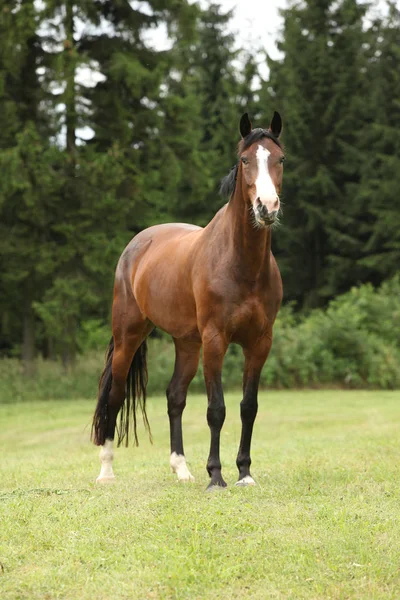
(173, 315)
(164, 295)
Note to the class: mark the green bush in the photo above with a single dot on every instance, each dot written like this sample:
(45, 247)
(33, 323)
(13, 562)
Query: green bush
(354, 343)
(50, 381)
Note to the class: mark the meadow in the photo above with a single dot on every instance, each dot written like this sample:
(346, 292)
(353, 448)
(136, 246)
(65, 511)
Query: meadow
(323, 521)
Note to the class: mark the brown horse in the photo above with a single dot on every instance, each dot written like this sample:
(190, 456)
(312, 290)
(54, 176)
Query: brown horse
(205, 287)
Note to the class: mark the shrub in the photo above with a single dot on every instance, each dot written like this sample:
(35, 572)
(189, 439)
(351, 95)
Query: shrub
(352, 343)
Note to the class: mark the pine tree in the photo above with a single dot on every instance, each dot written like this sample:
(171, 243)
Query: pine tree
(128, 104)
(206, 97)
(380, 184)
(107, 184)
(28, 182)
(320, 86)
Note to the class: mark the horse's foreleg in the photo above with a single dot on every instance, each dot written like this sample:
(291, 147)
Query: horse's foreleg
(214, 348)
(254, 362)
(186, 363)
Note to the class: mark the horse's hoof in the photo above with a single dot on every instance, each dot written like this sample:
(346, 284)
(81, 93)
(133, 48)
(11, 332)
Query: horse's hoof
(108, 479)
(248, 480)
(216, 487)
(186, 479)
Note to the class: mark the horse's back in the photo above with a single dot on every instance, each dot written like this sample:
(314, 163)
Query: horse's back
(151, 238)
(166, 230)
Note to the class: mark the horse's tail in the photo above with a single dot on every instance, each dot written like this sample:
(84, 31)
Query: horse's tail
(135, 394)
(100, 417)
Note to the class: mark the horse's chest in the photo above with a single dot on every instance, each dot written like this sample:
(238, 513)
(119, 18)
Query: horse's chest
(249, 318)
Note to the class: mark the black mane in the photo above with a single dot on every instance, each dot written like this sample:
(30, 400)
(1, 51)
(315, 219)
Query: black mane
(228, 183)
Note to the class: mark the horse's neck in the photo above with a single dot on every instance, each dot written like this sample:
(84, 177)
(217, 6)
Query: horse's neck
(250, 246)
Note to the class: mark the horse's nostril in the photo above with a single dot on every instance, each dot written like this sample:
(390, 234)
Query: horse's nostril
(263, 211)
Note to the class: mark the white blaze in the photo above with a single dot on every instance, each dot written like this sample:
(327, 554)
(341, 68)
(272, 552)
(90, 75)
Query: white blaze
(265, 189)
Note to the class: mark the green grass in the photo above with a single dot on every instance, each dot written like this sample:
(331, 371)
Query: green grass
(323, 521)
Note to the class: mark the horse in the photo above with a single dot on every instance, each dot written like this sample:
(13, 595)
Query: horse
(206, 287)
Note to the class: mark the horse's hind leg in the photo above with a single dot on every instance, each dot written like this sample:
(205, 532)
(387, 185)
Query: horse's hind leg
(130, 330)
(186, 363)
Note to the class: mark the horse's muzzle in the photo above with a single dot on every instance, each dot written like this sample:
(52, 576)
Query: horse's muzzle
(264, 217)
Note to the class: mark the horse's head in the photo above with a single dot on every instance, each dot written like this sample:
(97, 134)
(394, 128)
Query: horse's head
(261, 162)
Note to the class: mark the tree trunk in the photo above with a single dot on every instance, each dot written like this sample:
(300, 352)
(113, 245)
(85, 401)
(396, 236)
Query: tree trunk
(28, 342)
(70, 95)
(50, 350)
(68, 347)
(68, 354)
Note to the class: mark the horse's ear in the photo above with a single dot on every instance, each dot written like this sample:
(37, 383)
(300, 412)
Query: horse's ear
(245, 125)
(276, 125)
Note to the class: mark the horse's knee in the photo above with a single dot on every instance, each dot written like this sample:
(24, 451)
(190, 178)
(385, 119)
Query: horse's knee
(216, 414)
(176, 401)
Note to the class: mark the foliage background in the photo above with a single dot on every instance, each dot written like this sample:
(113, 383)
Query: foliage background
(102, 135)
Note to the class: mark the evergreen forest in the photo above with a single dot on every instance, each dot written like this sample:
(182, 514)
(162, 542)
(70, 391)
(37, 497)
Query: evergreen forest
(103, 133)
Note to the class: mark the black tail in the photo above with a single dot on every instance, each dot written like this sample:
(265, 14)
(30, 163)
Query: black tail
(135, 394)
(100, 417)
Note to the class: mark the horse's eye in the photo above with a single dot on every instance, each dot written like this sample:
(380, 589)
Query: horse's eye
(245, 160)
(282, 159)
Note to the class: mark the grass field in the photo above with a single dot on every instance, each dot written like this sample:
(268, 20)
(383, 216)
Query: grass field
(323, 521)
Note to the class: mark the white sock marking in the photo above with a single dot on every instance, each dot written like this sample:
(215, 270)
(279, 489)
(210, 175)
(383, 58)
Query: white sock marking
(106, 458)
(248, 480)
(179, 466)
